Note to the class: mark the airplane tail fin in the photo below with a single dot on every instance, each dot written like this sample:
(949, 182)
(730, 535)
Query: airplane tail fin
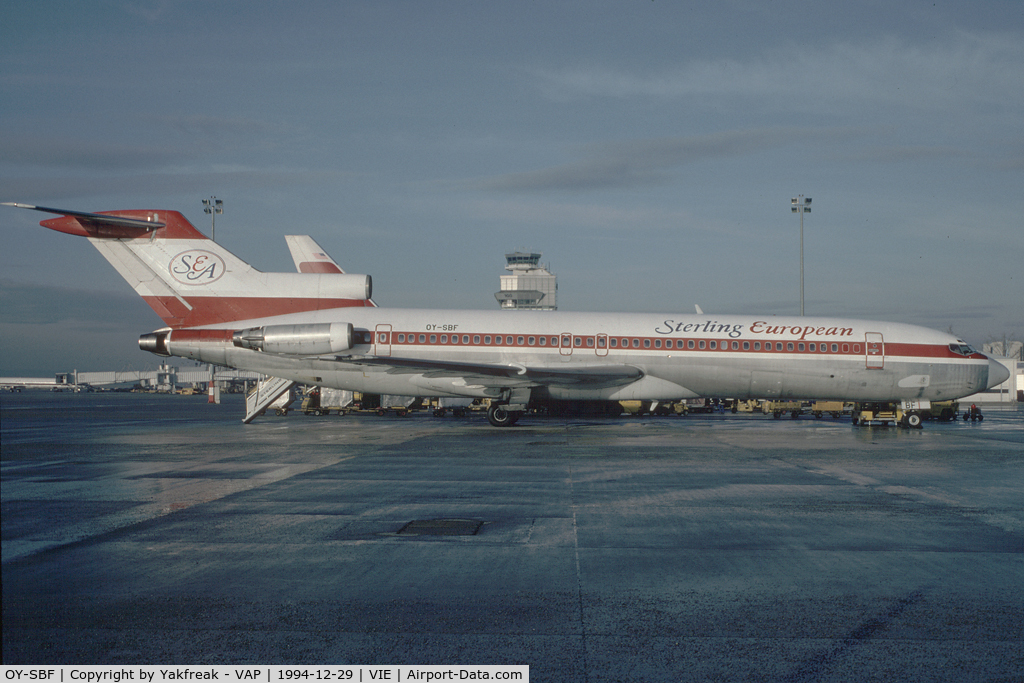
(310, 257)
(191, 281)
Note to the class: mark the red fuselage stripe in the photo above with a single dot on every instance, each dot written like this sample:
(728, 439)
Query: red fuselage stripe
(601, 343)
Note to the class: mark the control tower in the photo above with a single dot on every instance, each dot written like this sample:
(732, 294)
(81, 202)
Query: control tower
(529, 287)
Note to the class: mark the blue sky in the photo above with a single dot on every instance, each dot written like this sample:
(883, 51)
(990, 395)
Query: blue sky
(648, 149)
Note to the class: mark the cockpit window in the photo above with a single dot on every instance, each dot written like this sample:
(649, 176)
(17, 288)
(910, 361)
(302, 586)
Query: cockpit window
(961, 348)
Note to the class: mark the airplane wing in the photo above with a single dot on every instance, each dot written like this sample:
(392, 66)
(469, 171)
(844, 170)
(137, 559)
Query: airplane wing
(511, 374)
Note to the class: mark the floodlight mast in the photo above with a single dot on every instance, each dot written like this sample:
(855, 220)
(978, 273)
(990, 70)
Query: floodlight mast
(801, 206)
(213, 206)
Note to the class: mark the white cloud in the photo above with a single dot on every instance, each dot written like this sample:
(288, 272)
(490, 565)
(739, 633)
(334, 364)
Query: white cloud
(632, 163)
(983, 70)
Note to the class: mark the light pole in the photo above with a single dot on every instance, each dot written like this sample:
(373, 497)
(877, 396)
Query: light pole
(801, 206)
(213, 206)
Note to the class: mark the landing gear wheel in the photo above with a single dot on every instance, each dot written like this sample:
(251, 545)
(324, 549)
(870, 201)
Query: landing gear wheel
(914, 420)
(500, 416)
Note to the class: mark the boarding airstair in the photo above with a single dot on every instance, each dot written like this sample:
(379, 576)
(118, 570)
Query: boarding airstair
(266, 392)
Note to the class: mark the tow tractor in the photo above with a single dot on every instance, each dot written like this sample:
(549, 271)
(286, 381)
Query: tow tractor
(903, 414)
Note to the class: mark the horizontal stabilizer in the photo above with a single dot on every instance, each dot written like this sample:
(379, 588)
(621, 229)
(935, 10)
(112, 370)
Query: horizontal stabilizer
(99, 224)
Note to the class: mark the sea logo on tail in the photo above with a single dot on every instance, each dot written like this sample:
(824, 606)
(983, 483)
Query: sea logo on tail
(197, 267)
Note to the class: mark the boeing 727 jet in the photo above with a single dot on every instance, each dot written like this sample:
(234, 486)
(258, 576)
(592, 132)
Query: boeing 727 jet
(319, 326)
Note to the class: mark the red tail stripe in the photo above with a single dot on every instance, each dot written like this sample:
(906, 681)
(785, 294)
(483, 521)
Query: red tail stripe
(214, 310)
(319, 267)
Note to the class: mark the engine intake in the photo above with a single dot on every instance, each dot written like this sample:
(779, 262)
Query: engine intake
(311, 339)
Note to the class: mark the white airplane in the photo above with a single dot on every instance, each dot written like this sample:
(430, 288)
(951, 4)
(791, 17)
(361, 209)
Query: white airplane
(319, 326)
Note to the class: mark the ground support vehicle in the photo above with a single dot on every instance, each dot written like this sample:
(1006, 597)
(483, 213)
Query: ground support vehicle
(640, 408)
(338, 400)
(944, 411)
(834, 408)
(311, 402)
(777, 408)
(905, 414)
(702, 405)
(746, 406)
(458, 406)
(399, 405)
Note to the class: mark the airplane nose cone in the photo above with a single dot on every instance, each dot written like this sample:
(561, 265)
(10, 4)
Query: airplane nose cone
(997, 373)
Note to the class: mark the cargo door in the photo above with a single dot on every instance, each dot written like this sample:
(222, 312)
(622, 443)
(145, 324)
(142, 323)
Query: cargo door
(382, 340)
(874, 350)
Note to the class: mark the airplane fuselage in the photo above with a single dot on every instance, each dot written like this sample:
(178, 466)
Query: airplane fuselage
(678, 356)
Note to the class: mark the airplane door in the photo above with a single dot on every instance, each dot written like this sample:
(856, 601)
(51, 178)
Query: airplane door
(565, 344)
(382, 340)
(875, 346)
(602, 344)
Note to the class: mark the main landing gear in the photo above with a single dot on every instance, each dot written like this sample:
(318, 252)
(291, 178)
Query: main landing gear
(500, 416)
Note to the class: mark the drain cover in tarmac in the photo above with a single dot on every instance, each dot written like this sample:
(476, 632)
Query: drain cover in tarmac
(441, 527)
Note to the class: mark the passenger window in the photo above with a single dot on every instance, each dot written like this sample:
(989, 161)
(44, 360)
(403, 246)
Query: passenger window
(735, 346)
(401, 339)
(701, 344)
(423, 339)
(657, 343)
(689, 344)
(531, 341)
(487, 339)
(647, 343)
(590, 342)
(713, 345)
(476, 338)
(636, 343)
(519, 340)
(601, 342)
(757, 346)
(746, 346)
(789, 346)
(800, 346)
(846, 348)
(835, 348)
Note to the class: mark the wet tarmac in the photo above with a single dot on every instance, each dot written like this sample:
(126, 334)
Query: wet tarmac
(146, 529)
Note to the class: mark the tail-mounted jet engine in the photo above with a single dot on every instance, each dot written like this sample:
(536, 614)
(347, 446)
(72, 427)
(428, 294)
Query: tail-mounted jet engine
(313, 339)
